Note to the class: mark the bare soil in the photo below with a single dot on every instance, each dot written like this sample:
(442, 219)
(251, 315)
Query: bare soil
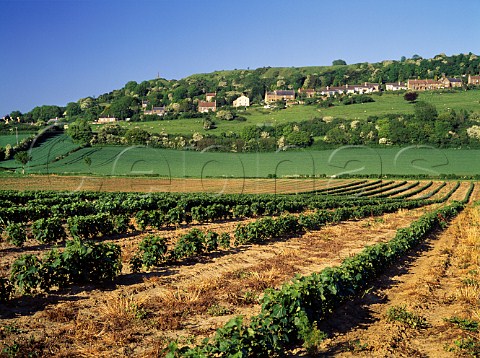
(142, 313)
(131, 184)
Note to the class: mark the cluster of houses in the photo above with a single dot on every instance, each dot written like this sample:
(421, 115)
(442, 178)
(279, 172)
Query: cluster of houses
(210, 103)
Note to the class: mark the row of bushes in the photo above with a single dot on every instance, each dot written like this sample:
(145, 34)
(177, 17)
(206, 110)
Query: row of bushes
(290, 315)
(80, 262)
(52, 230)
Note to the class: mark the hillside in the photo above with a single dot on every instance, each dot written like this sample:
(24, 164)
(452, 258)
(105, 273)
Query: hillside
(180, 96)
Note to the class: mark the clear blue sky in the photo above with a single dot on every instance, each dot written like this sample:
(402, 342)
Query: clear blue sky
(58, 51)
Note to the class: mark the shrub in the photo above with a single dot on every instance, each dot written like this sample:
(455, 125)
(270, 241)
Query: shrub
(151, 252)
(48, 230)
(16, 234)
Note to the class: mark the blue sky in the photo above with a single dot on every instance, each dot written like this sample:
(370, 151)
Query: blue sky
(58, 51)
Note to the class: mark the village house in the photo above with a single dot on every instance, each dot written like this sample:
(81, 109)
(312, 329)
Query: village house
(395, 86)
(366, 88)
(107, 120)
(309, 92)
(474, 80)
(159, 111)
(279, 95)
(144, 104)
(205, 107)
(450, 82)
(424, 85)
(242, 101)
(210, 96)
(350, 89)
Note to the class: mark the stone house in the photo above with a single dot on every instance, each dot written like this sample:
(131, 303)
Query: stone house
(474, 80)
(204, 107)
(279, 95)
(242, 101)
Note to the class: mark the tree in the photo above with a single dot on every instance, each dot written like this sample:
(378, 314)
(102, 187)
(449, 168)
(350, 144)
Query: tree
(137, 136)
(339, 62)
(44, 113)
(410, 96)
(15, 114)
(23, 158)
(73, 109)
(224, 115)
(299, 138)
(121, 107)
(208, 124)
(80, 131)
(425, 111)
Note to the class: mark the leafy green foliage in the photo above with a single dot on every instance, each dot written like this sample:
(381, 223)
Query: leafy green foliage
(465, 324)
(400, 314)
(16, 234)
(80, 262)
(151, 252)
(48, 230)
(289, 314)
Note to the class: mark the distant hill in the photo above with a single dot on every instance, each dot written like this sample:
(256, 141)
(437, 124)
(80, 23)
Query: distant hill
(179, 96)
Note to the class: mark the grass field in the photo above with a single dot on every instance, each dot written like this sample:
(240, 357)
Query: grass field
(385, 104)
(51, 158)
(12, 138)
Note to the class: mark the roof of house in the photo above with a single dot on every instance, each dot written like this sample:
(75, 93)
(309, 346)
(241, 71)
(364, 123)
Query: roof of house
(454, 79)
(424, 81)
(211, 94)
(207, 104)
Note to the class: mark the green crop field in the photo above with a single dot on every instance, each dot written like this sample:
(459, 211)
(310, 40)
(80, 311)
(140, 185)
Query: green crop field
(387, 103)
(51, 158)
(12, 138)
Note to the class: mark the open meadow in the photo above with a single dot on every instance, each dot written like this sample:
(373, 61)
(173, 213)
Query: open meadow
(387, 103)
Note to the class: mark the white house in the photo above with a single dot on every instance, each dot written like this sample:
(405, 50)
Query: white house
(107, 120)
(395, 86)
(242, 101)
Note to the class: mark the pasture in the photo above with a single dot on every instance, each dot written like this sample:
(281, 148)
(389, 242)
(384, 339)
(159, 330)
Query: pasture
(387, 103)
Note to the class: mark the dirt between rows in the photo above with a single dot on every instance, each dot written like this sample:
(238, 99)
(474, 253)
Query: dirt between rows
(142, 313)
(185, 185)
(436, 284)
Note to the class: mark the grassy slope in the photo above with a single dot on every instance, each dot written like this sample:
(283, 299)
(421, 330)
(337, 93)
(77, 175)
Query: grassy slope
(12, 138)
(387, 103)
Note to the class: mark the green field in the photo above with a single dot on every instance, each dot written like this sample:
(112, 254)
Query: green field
(140, 161)
(12, 138)
(384, 104)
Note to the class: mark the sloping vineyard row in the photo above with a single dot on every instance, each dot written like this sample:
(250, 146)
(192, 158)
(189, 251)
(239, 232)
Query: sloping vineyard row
(290, 315)
(55, 269)
(89, 215)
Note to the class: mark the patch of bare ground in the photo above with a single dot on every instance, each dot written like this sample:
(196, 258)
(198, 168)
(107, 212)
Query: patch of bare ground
(187, 301)
(426, 306)
(170, 185)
